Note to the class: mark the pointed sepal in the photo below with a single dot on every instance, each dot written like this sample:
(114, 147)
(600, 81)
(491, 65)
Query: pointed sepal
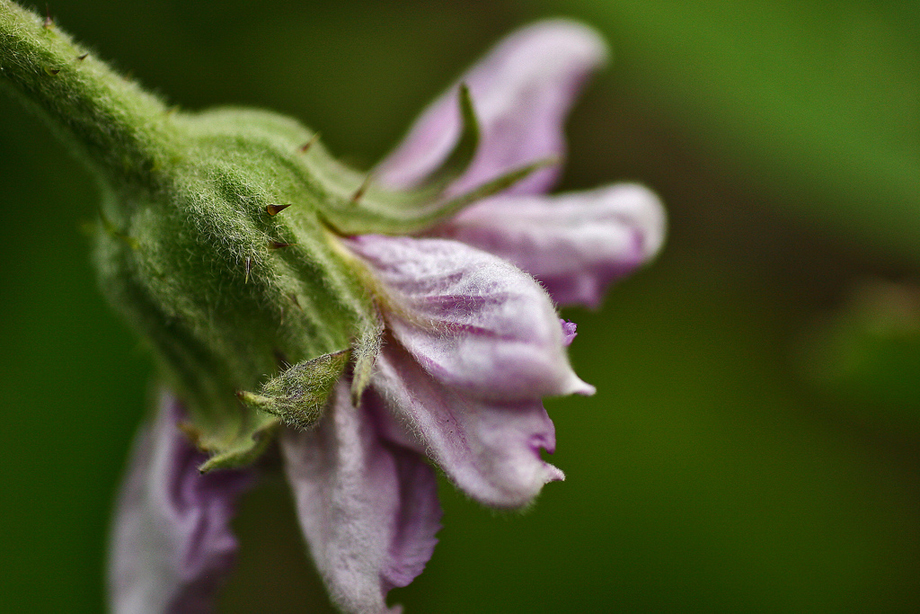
(365, 352)
(388, 213)
(462, 155)
(257, 431)
(298, 395)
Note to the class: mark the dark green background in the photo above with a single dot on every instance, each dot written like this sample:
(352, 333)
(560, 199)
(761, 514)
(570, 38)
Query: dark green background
(753, 444)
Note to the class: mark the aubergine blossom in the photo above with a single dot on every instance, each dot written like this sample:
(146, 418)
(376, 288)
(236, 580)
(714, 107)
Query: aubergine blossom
(471, 344)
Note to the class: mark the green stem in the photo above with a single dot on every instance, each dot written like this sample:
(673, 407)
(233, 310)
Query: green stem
(120, 130)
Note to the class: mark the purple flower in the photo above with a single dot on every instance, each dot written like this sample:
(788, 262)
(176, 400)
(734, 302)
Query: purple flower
(472, 343)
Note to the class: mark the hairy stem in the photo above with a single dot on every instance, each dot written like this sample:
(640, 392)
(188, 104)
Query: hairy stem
(121, 131)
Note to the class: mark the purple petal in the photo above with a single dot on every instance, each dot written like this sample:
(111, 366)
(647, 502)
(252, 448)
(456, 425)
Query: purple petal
(471, 320)
(522, 91)
(576, 243)
(171, 541)
(569, 332)
(490, 450)
(368, 508)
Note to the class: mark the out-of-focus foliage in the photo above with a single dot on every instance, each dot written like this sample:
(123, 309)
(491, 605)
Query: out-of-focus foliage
(869, 352)
(816, 103)
(707, 475)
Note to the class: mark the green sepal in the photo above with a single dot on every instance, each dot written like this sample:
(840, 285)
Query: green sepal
(365, 351)
(298, 395)
(250, 443)
(391, 214)
(464, 151)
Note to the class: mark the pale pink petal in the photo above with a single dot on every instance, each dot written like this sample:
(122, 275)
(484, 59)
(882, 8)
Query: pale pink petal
(368, 508)
(522, 91)
(171, 541)
(575, 243)
(470, 319)
(489, 449)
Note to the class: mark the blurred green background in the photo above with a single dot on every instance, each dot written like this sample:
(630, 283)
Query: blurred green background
(753, 446)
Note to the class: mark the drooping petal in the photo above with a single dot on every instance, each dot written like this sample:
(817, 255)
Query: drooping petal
(471, 320)
(575, 243)
(368, 508)
(171, 541)
(489, 449)
(522, 91)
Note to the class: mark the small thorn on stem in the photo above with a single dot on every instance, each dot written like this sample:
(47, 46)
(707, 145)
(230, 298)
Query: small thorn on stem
(296, 302)
(114, 232)
(361, 189)
(49, 20)
(83, 56)
(275, 209)
(278, 244)
(306, 146)
(52, 71)
(248, 268)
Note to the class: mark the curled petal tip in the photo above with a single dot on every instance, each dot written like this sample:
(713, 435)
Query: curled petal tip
(574, 37)
(647, 215)
(588, 390)
(575, 385)
(569, 332)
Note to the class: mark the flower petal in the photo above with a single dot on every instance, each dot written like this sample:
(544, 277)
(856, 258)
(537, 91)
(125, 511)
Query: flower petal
(490, 450)
(171, 541)
(575, 243)
(368, 508)
(471, 320)
(569, 332)
(522, 91)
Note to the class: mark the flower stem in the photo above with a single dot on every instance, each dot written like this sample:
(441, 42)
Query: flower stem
(120, 130)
